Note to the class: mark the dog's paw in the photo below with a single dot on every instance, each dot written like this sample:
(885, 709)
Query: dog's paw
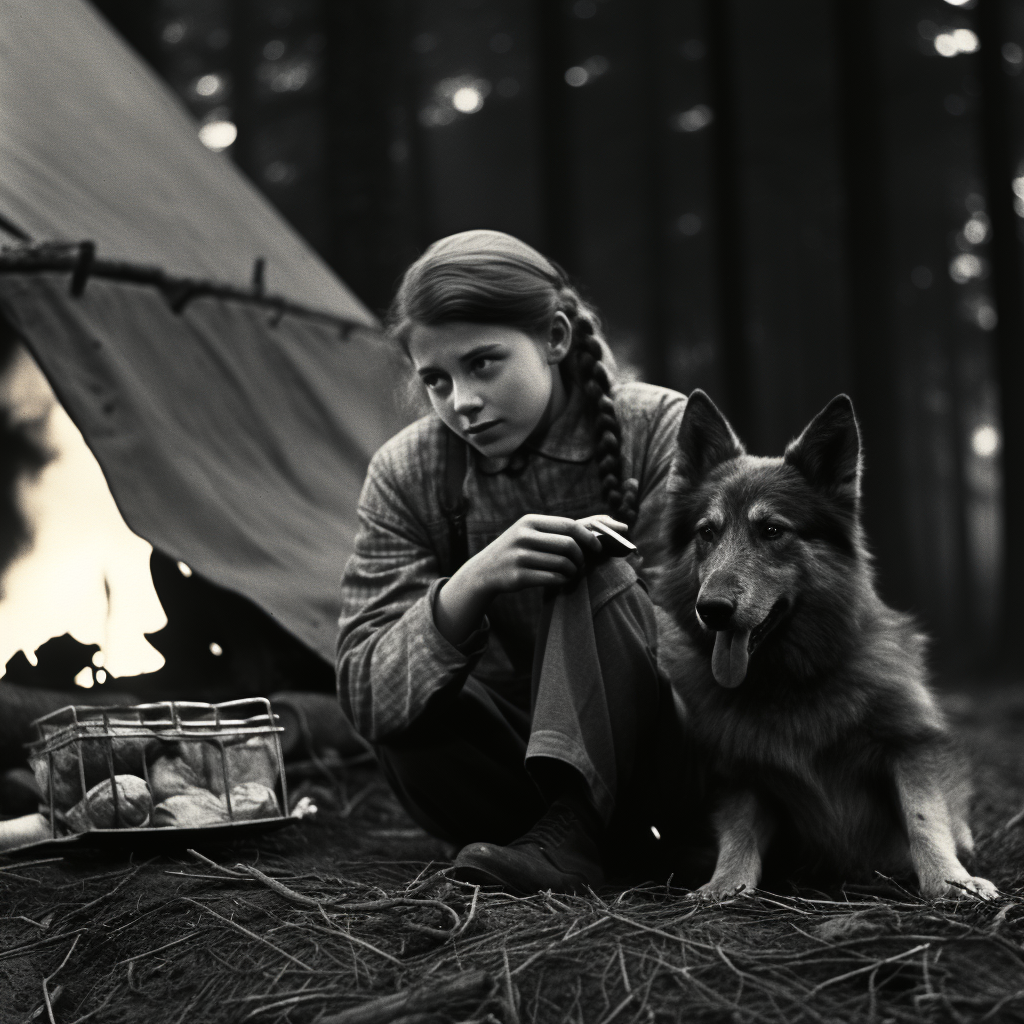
(972, 886)
(959, 888)
(724, 888)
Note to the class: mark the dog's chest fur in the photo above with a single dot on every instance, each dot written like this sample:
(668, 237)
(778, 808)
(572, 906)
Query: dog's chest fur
(819, 752)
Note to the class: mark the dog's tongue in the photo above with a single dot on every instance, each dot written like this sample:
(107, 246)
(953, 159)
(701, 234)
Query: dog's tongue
(729, 661)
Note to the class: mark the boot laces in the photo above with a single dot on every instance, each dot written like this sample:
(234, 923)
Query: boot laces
(549, 831)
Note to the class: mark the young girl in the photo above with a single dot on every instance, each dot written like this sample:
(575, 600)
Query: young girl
(513, 699)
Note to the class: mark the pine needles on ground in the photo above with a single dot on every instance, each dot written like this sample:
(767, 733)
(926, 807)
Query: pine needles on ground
(325, 925)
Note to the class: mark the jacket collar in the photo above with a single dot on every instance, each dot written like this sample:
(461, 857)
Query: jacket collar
(571, 437)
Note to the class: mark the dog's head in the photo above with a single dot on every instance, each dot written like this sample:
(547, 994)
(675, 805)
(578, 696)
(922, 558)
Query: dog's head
(759, 542)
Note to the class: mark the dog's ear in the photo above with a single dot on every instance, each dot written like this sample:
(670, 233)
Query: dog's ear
(827, 453)
(705, 439)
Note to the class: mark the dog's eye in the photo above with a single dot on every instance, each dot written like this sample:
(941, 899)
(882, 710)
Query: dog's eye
(706, 533)
(772, 532)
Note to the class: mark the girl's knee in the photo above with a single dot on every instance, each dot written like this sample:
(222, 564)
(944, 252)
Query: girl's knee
(610, 578)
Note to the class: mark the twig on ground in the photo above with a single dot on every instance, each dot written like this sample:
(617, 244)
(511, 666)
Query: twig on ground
(245, 931)
(30, 863)
(279, 887)
(19, 950)
(871, 967)
(52, 975)
(470, 986)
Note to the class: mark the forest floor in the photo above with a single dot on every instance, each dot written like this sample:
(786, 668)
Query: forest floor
(347, 919)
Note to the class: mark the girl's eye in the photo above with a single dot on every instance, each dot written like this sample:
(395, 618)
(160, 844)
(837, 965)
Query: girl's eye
(432, 381)
(481, 363)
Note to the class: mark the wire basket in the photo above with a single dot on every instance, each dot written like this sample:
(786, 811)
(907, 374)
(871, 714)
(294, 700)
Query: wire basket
(157, 767)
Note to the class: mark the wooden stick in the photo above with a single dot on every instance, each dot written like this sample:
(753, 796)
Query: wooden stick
(30, 863)
(213, 864)
(160, 949)
(50, 977)
(471, 986)
(279, 887)
(18, 950)
(245, 931)
(870, 967)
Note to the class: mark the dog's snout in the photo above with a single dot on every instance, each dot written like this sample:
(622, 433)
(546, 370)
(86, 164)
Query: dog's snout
(716, 612)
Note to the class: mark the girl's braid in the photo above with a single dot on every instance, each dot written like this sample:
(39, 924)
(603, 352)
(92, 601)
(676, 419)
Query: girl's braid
(620, 495)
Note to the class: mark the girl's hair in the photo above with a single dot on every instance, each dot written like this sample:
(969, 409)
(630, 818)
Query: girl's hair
(488, 277)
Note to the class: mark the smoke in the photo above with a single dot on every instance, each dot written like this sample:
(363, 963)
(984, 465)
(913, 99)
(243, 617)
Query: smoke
(22, 455)
(69, 564)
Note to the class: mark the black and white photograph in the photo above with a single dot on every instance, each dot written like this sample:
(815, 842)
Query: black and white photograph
(511, 511)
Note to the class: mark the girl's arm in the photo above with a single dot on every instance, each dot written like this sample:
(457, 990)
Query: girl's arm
(391, 658)
(536, 551)
(405, 633)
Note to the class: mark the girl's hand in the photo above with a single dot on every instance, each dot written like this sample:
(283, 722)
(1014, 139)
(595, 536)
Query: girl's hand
(536, 551)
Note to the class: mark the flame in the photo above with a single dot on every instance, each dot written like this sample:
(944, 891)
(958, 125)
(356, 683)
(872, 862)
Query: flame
(84, 573)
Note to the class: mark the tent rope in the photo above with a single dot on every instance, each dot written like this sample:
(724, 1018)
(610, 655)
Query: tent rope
(79, 259)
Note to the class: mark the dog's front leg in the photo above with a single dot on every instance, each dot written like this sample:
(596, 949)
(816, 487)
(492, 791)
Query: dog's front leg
(930, 834)
(743, 828)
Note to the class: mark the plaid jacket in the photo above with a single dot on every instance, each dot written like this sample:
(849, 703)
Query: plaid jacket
(391, 657)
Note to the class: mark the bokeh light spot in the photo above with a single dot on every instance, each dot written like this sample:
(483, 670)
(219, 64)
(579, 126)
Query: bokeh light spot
(985, 441)
(965, 267)
(279, 172)
(209, 85)
(173, 33)
(689, 224)
(960, 40)
(218, 135)
(467, 100)
(986, 317)
(692, 120)
(976, 229)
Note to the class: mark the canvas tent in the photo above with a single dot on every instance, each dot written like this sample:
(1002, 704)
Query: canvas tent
(233, 436)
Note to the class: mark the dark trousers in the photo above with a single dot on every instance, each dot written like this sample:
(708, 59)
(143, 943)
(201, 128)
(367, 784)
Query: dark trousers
(472, 768)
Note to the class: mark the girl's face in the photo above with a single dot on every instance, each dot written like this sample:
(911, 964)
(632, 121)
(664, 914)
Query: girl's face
(493, 385)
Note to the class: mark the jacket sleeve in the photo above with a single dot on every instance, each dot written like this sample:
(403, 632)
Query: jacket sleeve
(660, 433)
(391, 658)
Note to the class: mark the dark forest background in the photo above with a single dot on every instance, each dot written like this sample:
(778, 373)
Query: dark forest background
(774, 202)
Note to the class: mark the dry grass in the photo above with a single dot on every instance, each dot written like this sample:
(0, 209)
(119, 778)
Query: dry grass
(349, 919)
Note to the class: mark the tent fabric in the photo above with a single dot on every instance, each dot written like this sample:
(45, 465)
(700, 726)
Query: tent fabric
(94, 146)
(230, 441)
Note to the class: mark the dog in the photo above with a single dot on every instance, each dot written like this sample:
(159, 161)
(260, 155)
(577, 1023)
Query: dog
(806, 695)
